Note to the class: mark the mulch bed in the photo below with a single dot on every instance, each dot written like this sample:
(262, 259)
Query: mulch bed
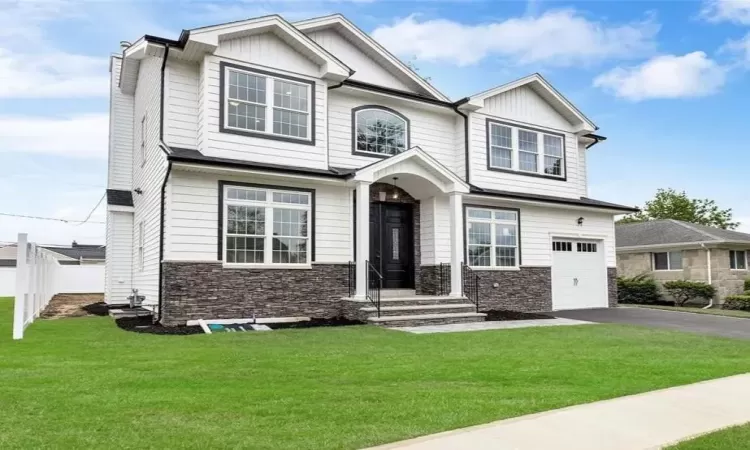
(316, 322)
(495, 315)
(145, 325)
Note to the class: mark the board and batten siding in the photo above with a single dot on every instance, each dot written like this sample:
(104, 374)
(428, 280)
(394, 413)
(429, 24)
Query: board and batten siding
(119, 173)
(192, 222)
(182, 83)
(148, 178)
(430, 130)
(269, 151)
(118, 265)
(268, 50)
(365, 68)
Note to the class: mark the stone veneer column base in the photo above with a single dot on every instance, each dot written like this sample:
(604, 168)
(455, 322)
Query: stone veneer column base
(528, 289)
(207, 290)
(428, 280)
(612, 286)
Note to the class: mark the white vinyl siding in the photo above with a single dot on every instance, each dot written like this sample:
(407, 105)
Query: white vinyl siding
(181, 99)
(118, 259)
(430, 129)
(120, 167)
(212, 142)
(192, 224)
(149, 179)
(267, 50)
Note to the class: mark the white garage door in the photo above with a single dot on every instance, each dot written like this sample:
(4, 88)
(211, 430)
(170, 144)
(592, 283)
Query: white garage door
(579, 274)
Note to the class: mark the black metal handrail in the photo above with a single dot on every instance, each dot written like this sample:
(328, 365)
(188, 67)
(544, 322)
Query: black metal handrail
(444, 273)
(470, 288)
(352, 278)
(374, 285)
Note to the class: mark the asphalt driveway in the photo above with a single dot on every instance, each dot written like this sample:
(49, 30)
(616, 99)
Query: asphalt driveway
(683, 321)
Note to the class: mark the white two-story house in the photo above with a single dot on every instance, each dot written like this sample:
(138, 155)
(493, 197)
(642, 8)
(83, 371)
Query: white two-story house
(263, 168)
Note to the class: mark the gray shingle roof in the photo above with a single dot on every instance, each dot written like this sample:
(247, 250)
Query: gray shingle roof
(79, 251)
(664, 232)
(582, 201)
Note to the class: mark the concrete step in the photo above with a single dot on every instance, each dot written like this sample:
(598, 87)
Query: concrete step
(426, 319)
(401, 310)
(390, 293)
(422, 300)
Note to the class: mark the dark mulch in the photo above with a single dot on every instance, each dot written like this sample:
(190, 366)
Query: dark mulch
(316, 322)
(495, 315)
(145, 325)
(96, 309)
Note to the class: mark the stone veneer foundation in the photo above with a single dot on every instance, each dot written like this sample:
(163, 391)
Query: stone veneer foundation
(612, 286)
(195, 290)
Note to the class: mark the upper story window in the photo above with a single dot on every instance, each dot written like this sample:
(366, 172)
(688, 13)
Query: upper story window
(492, 237)
(262, 104)
(525, 150)
(379, 131)
(266, 225)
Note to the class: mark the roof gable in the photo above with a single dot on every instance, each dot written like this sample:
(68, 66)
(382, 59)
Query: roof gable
(543, 90)
(372, 49)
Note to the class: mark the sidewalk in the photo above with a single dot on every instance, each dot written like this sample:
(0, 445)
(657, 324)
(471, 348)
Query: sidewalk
(643, 421)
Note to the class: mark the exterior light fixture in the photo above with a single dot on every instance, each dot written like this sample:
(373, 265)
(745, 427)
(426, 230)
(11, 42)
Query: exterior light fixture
(395, 188)
(580, 221)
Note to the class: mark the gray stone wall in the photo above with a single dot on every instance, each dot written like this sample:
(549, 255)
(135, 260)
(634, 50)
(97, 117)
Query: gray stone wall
(528, 289)
(428, 280)
(612, 286)
(195, 290)
(725, 280)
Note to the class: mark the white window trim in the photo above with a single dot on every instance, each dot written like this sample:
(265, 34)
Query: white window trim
(669, 261)
(269, 104)
(269, 206)
(374, 108)
(516, 151)
(493, 238)
(141, 252)
(731, 260)
(144, 131)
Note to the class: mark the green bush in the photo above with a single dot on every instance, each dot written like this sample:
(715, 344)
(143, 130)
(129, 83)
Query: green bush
(747, 285)
(641, 289)
(684, 291)
(737, 302)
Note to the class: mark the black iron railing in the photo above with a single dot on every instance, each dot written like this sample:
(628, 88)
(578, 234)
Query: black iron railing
(352, 278)
(374, 285)
(470, 286)
(444, 276)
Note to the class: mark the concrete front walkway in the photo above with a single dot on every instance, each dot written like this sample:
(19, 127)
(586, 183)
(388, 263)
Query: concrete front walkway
(644, 421)
(492, 325)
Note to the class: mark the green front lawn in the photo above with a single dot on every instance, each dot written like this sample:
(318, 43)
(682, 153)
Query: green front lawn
(735, 438)
(712, 311)
(84, 383)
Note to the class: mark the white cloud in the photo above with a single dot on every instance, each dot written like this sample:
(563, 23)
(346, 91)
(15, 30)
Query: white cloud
(740, 48)
(31, 66)
(83, 136)
(736, 11)
(666, 76)
(562, 37)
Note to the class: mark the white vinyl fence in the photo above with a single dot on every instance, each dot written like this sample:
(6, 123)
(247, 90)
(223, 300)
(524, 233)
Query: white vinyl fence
(39, 277)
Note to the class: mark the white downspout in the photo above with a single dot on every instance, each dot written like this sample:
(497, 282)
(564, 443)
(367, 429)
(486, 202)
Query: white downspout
(708, 264)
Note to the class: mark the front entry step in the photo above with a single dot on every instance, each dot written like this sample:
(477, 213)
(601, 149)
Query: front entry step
(411, 309)
(427, 319)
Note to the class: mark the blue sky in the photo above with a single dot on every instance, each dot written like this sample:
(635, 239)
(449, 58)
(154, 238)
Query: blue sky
(667, 83)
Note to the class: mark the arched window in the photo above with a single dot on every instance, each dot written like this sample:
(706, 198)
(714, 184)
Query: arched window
(379, 131)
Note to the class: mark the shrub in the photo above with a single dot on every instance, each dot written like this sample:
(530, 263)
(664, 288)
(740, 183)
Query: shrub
(684, 291)
(737, 302)
(641, 289)
(747, 285)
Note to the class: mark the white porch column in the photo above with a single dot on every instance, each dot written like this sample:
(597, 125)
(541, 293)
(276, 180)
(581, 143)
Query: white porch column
(457, 233)
(363, 236)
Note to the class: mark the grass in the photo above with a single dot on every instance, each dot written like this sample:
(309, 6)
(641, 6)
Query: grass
(712, 311)
(734, 438)
(84, 383)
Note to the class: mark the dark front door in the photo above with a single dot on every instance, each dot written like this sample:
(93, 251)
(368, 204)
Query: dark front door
(392, 244)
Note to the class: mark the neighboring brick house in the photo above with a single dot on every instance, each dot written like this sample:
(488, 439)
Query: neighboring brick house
(676, 250)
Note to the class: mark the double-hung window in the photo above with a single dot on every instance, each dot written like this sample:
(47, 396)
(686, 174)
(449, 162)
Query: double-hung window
(492, 237)
(667, 261)
(525, 150)
(261, 104)
(738, 259)
(266, 226)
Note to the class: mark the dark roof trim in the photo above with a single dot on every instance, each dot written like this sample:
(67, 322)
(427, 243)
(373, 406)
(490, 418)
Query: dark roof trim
(184, 155)
(119, 197)
(583, 201)
(402, 94)
(171, 42)
(597, 139)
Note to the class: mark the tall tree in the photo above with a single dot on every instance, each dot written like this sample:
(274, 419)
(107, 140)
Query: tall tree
(670, 204)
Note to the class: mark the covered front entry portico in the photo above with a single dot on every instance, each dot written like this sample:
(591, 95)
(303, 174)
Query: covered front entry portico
(382, 228)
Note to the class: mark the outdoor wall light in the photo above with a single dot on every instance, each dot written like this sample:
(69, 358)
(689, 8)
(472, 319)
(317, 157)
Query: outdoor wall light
(395, 188)
(580, 221)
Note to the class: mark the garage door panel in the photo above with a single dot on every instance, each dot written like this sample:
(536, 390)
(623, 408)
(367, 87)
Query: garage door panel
(579, 274)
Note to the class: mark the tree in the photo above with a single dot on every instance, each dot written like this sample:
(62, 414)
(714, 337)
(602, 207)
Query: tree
(670, 204)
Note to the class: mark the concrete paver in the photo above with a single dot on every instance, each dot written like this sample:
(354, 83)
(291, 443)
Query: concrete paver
(496, 325)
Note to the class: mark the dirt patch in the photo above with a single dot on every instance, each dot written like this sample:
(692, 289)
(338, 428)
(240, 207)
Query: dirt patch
(495, 315)
(75, 305)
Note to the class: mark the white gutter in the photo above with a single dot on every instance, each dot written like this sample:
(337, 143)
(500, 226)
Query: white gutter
(708, 264)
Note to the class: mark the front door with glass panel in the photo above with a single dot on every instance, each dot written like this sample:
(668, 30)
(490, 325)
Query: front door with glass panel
(392, 244)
